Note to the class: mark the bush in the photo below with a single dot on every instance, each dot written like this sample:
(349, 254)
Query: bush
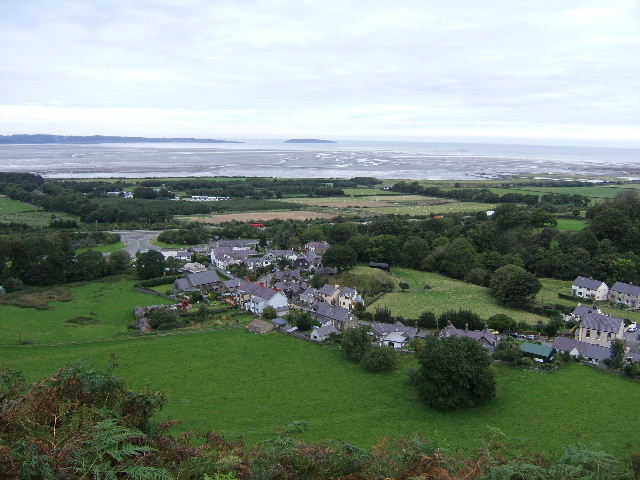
(356, 343)
(154, 282)
(13, 284)
(501, 323)
(427, 319)
(382, 315)
(379, 359)
(461, 319)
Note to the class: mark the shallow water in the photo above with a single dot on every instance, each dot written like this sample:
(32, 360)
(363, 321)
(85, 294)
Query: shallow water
(272, 158)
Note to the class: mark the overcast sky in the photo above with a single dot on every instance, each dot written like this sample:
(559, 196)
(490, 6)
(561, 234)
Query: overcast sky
(545, 71)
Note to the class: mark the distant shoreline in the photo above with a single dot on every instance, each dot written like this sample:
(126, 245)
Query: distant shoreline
(48, 139)
(308, 140)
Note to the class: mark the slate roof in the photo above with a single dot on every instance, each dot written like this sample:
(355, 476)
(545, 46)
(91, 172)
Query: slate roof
(279, 322)
(477, 335)
(326, 330)
(264, 293)
(385, 329)
(537, 349)
(232, 283)
(238, 243)
(328, 290)
(587, 350)
(604, 323)
(338, 314)
(349, 293)
(581, 311)
(632, 290)
(194, 280)
(590, 283)
(397, 337)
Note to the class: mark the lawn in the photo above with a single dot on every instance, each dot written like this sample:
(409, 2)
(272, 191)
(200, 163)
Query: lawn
(440, 209)
(360, 192)
(99, 309)
(571, 224)
(241, 384)
(445, 294)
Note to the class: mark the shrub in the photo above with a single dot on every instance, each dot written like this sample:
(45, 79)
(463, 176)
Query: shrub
(379, 359)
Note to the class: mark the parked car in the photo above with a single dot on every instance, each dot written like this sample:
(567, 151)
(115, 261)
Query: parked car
(530, 337)
(633, 327)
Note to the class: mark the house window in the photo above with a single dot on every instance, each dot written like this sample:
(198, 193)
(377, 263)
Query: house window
(608, 336)
(588, 334)
(598, 335)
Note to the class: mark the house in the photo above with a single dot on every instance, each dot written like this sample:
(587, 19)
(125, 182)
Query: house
(203, 281)
(349, 298)
(319, 248)
(485, 337)
(329, 294)
(239, 244)
(341, 318)
(625, 294)
(397, 335)
(260, 326)
(264, 297)
(193, 267)
(302, 264)
(320, 334)
(589, 288)
(309, 295)
(580, 311)
(540, 353)
(224, 257)
(592, 353)
(599, 329)
(177, 254)
(327, 271)
(276, 254)
(257, 262)
(381, 266)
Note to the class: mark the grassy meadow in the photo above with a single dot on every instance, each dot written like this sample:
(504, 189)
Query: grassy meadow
(245, 385)
(445, 294)
(8, 205)
(571, 224)
(95, 310)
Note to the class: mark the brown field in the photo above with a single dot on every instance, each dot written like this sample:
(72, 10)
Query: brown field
(257, 216)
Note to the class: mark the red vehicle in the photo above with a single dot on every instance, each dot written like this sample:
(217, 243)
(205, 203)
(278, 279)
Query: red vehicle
(257, 224)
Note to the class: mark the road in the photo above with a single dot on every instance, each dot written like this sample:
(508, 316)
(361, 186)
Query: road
(137, 240)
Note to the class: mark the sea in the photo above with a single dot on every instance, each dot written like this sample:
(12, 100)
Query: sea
(344, 159)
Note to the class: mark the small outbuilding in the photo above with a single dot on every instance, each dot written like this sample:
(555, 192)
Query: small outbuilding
(280, 323)
(381, 266)
(540, 353)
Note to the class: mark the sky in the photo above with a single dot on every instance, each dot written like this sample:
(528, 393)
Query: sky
(554, 72)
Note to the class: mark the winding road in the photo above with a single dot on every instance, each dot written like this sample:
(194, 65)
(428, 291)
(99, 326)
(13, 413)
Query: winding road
(137, 240)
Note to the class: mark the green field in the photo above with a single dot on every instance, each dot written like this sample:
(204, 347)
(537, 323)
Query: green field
(109, 303)
(445, 294)
(112, 247)
(241, 384)
(441, 209)
(571, 224)
(363, 192)
(8, 205)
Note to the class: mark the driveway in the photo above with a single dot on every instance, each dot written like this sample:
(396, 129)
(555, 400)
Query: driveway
(137, 240)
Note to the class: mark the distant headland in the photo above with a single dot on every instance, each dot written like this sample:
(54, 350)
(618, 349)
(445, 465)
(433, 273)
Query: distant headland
(93, 139)
(308, 140)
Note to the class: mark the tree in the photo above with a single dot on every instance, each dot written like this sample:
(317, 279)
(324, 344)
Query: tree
(454, 372)
(384, 248)
(302, 320)
(501, 323)
(427, 319)
(513, 285)
(459, 258)
(339, 256)
(414, 251)
(269, 313)
(617, 353)
(119, 261)
(355, 343)
(379, 359)
(88, 265)
(461, 319)
(382, 315)
(508, 350)
(150, 264)
(404, 286)
(554, 325)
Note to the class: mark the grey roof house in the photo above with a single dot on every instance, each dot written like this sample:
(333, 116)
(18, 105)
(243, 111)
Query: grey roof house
(198, 281)
(625, 294)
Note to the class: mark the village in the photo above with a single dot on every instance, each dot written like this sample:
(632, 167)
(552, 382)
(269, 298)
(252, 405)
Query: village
(284, 290)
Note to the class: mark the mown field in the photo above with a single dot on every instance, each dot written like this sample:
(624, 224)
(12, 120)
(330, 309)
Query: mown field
(445, 294)
(245, 385)
(8, 205)
(255, 216)
(571, 224)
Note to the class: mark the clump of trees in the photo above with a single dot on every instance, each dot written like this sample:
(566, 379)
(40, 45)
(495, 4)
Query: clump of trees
(454, 372)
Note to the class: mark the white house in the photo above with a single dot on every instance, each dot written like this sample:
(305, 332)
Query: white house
(264, 297)
(589, 288)
(320, 334)
(397, 335)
